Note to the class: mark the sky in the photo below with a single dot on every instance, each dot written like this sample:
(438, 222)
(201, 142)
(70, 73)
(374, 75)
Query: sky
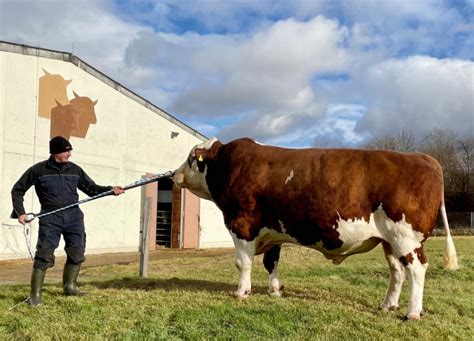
(291, 73)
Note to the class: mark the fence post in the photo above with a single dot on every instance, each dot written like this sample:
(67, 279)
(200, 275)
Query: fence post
(143, 272)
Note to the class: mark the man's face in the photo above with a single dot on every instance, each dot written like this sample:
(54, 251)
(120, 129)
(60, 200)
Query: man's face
(62, 157)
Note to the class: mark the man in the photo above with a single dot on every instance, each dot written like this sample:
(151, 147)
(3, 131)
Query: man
(56, 181)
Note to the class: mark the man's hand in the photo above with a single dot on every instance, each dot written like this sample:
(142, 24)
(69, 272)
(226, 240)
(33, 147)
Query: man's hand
(22, 219)
(118, 190)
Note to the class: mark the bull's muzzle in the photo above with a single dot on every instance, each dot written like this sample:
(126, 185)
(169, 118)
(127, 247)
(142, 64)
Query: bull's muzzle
(178, 177)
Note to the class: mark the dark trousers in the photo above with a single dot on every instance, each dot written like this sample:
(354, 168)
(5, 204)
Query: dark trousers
(68, 223)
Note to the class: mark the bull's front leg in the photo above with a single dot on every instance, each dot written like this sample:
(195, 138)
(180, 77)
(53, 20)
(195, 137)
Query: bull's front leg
(244, 254)
(416, 277)
(270, 261)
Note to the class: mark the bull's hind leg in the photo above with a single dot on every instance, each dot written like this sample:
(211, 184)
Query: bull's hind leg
(416, 265)
(244, 254)
(397, 276)
(405, 242)
(270, 261)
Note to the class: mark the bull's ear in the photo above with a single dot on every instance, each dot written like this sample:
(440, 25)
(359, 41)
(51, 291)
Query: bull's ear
(200, 154)
(207, 154)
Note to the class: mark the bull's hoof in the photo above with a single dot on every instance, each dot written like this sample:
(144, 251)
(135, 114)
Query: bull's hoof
(388, 308)
(412, 317)
(277, 292)
(242, 295)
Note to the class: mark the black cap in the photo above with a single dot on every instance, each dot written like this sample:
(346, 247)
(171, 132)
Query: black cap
(59, 144)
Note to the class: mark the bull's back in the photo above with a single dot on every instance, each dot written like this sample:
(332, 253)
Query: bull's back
(322, 185)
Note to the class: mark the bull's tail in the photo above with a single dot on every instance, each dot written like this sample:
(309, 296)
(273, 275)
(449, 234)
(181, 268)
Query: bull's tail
(450, 258)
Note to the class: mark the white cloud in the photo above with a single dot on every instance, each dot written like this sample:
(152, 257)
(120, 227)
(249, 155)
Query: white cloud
(88, 28)
(263, 77)
(419, 94)
(337, 127)
(268, 70)
(208, 130)
(273, 70)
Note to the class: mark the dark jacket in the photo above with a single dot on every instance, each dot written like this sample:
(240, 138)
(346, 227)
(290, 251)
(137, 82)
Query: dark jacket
(55, 184)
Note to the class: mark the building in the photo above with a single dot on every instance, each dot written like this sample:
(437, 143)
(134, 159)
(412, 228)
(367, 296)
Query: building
(118, 137)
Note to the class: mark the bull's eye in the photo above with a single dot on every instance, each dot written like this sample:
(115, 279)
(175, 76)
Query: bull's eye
(201, 165)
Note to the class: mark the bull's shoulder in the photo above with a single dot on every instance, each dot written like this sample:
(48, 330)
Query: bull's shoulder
(246, 148)
(242, 143)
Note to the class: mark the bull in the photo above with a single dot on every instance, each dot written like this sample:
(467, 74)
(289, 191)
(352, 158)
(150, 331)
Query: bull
(340, 202)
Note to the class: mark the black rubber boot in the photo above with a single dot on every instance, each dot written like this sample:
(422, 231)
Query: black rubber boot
(71, 271)
(37, 279)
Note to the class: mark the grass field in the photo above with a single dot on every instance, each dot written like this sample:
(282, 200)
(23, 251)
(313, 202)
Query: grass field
(191, 298)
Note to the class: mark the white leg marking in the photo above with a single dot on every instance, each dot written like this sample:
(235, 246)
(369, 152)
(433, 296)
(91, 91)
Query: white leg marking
(400, 235)
(404, 240)
(416, 277)
(290, 176)
(274, 286)
(397, 276)
(244, 253)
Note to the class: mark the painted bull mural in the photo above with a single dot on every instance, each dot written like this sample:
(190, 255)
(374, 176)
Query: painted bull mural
(68, 117)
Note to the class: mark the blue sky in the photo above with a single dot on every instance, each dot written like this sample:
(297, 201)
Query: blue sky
(293, 73)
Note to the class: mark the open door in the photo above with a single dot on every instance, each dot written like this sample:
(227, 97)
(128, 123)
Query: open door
(190, 224)
(176, 220)
(164, 210)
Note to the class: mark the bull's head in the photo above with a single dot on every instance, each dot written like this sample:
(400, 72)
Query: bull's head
(85, 107)
(192, 173)
(64, 120)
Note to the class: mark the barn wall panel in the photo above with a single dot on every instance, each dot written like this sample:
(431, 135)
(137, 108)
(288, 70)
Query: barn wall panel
(130, 138)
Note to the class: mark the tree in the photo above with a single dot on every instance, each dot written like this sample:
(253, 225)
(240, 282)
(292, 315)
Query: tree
(466, 156)
(464, 178)
(403, 142)
(441, 144)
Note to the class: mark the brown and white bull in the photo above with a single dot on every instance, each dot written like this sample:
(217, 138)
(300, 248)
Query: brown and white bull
(338, 201)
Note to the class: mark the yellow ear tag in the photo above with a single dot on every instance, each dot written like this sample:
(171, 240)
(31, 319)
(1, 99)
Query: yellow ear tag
(200, 159)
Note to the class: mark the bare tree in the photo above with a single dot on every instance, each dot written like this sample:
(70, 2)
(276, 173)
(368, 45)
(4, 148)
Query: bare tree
(403, 141)
(441, 144)
(466, 157)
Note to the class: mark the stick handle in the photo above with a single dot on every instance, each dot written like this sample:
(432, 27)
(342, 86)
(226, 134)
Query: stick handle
(30, 217)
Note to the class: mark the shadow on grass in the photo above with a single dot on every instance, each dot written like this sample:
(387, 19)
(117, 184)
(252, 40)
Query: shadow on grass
(316, 295)
(170, 284)
(21, 296)
(196, 285)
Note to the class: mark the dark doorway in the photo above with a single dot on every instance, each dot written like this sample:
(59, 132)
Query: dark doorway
(163, 213)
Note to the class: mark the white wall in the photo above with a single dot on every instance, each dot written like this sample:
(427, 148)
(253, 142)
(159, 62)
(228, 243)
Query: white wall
(127, 141)
(213, 231)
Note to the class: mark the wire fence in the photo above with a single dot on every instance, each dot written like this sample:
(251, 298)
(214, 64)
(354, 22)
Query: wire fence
(460, 223)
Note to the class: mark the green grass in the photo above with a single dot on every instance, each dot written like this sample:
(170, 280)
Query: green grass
(191, 298)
